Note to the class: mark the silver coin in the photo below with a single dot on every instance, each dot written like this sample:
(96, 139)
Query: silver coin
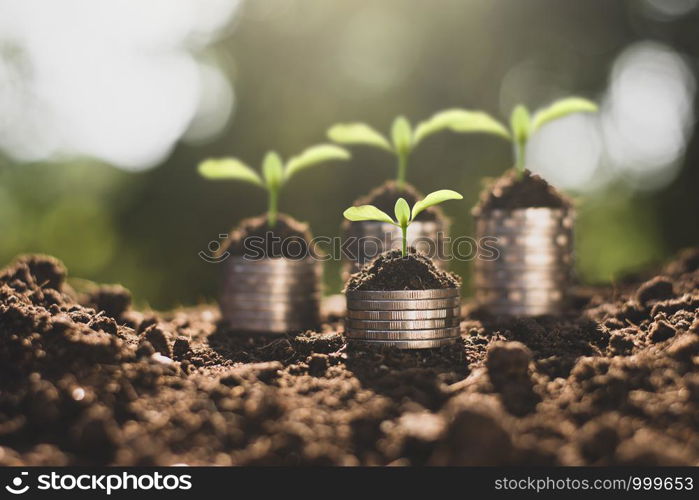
(522, 226)
(527, 214)
(268, 273)
(362, 324)
(528, 295)
(402, 305)
(281, 298)
(424, 334)
(269, 327)
(275, 262)
(405, 344)
(452, 312)
(232, 304)
(285, 315)
(528, 310)
(272, 279)
(528, 261)
(279, 293)
(525, 282)
(267, 267)
(499, 268)
(402, 294)
(508, 245)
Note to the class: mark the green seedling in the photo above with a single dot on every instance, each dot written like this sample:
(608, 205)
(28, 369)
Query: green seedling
(404, 139)
(275, 173)
(404, 215)
(522, 124)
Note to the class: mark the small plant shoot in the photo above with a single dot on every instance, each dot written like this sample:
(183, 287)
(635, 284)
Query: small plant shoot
(275, 173)
(523, 125)
(404, 216)
(404, 139)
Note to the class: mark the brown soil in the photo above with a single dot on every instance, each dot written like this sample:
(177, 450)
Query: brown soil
(392, 271)
(614, 383)
(287, 238)
(510, 192)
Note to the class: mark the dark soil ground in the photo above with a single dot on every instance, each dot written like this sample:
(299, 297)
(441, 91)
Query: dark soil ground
(392, 271)
(86, 380)
(510, 192)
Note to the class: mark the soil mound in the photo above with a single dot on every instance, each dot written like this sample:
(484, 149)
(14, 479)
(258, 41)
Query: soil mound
(255, 238)
(510, 192)
(392, 271)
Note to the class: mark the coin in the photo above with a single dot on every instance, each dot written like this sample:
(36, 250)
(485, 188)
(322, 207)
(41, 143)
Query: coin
(239, 303)
(361, 324)
(509, 309)
(450, 312)
(484, 280)
(527, 214)
(275, 262)
(422, 334)
(405, 344)
(402, 305)
(402, 294)
(287, 315)
(277, 298)
(283, 268)
(270, 326)
(522, 295)
(272, 280)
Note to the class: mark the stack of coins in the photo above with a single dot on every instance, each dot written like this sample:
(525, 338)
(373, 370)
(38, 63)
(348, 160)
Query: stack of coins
(368, 239)
(272, 295)
(407, 319)
(532, 270)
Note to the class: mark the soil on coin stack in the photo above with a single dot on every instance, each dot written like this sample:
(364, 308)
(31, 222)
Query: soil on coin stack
(286, 238)
(510, 192)
(392, 271)
(87, 380)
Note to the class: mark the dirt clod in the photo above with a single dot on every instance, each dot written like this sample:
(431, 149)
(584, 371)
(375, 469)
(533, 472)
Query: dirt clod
(661, 330)
(659, 288)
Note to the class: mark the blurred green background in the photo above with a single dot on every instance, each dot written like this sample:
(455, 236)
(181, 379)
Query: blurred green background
(98, 150)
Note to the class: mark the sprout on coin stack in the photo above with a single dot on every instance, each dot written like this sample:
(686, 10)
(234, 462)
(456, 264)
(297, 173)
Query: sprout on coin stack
(401, 299)
(431, 227)
(532, 224)
(272, 282)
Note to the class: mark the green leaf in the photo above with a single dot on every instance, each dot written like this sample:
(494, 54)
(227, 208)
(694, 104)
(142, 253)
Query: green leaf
(367, 212)
(460, 120)
(561, 108)
(401, 134)
(358, 133)
(520, 123)
(313, 156)
(273, 171)
(435, 198)
(402, 211)
(228, 168)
